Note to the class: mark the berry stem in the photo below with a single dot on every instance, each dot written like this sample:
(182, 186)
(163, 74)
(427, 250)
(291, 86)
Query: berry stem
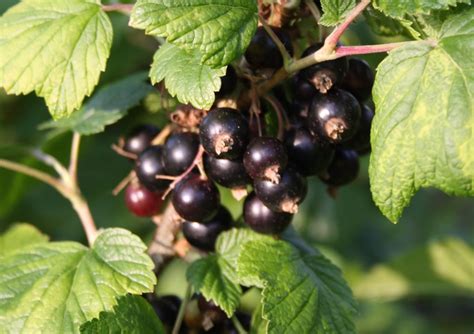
(161, 137)
(182, 310)
(121, 186)
(238, 325)
(197, 160)
(284, 53)
(73, 161)
(118, 7)
(120, 151)
(343, 51)
(313, 9)
(281, 115)
(335, 36)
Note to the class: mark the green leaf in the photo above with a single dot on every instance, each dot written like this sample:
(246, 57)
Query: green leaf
(422, 132)
(56, 48)
(443, 267)
(55, 287)
(106, 107)
(132, 315)
(215, 276)
(384, 25)
(335, 11)
(185, 77)
(301, 291)
(399, 8)
(219, 29)
(20, 236)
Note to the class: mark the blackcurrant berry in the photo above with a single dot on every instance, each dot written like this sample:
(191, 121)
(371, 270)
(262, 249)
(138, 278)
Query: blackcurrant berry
(166, 308)
(263, 52)
(359, 79)
(302, 89)
(308, 155)
(228, 82)
(334, 116)
(140, 138)
(326, 74)
(343, 169)
(179, 152)
(196, 198)
(284, 196)
(263, 220)
(228, 173)
(224, 133)
(361, 140)
(148, 166)
(211, 311)
(141, 201)
(265, 158)
(204, 235)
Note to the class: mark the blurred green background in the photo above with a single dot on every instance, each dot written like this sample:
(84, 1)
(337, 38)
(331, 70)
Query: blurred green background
(349, 229)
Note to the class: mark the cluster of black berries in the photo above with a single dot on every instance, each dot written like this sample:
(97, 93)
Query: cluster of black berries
(329, 126)
(200, 316)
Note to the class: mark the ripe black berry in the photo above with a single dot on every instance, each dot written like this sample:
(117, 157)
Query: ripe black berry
(263, 220)
(204, 235)
(228, 82)
(326, 74)
(148, 166)
(224, 133)
(228, 173)
(284, 196)
(308, 155)
(140, 138)
(265, 158)
(343, 169)
(196, 198)
(263, 52)
(141, 201)
(359, 79)
(179, 152)
(334, 116)
(361, 140)
(302, 89)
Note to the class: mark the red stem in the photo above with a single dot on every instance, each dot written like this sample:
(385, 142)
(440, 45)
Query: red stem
(335, 36)
(343, 51)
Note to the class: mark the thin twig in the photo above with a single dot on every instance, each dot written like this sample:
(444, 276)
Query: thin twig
(118, 7)
(121, 186)
(161, 137)
(313, 9)
(238, 325)
(281, 115)
(120, 151)
(343, 51)
(284, 52)
(182, 310)
(52, 162)
(73, 161)
(335, 36)
(36, 174)
(196, 160)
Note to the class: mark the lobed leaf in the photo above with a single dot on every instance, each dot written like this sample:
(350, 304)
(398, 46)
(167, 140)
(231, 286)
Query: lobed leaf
(302, 292)
(399, 8)
(56, 48)
(55, 287)
(185, 77)
(20, 236)
(335, 11)
(422, 132)
(131, 315)
(219, 30)
(106, 107)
